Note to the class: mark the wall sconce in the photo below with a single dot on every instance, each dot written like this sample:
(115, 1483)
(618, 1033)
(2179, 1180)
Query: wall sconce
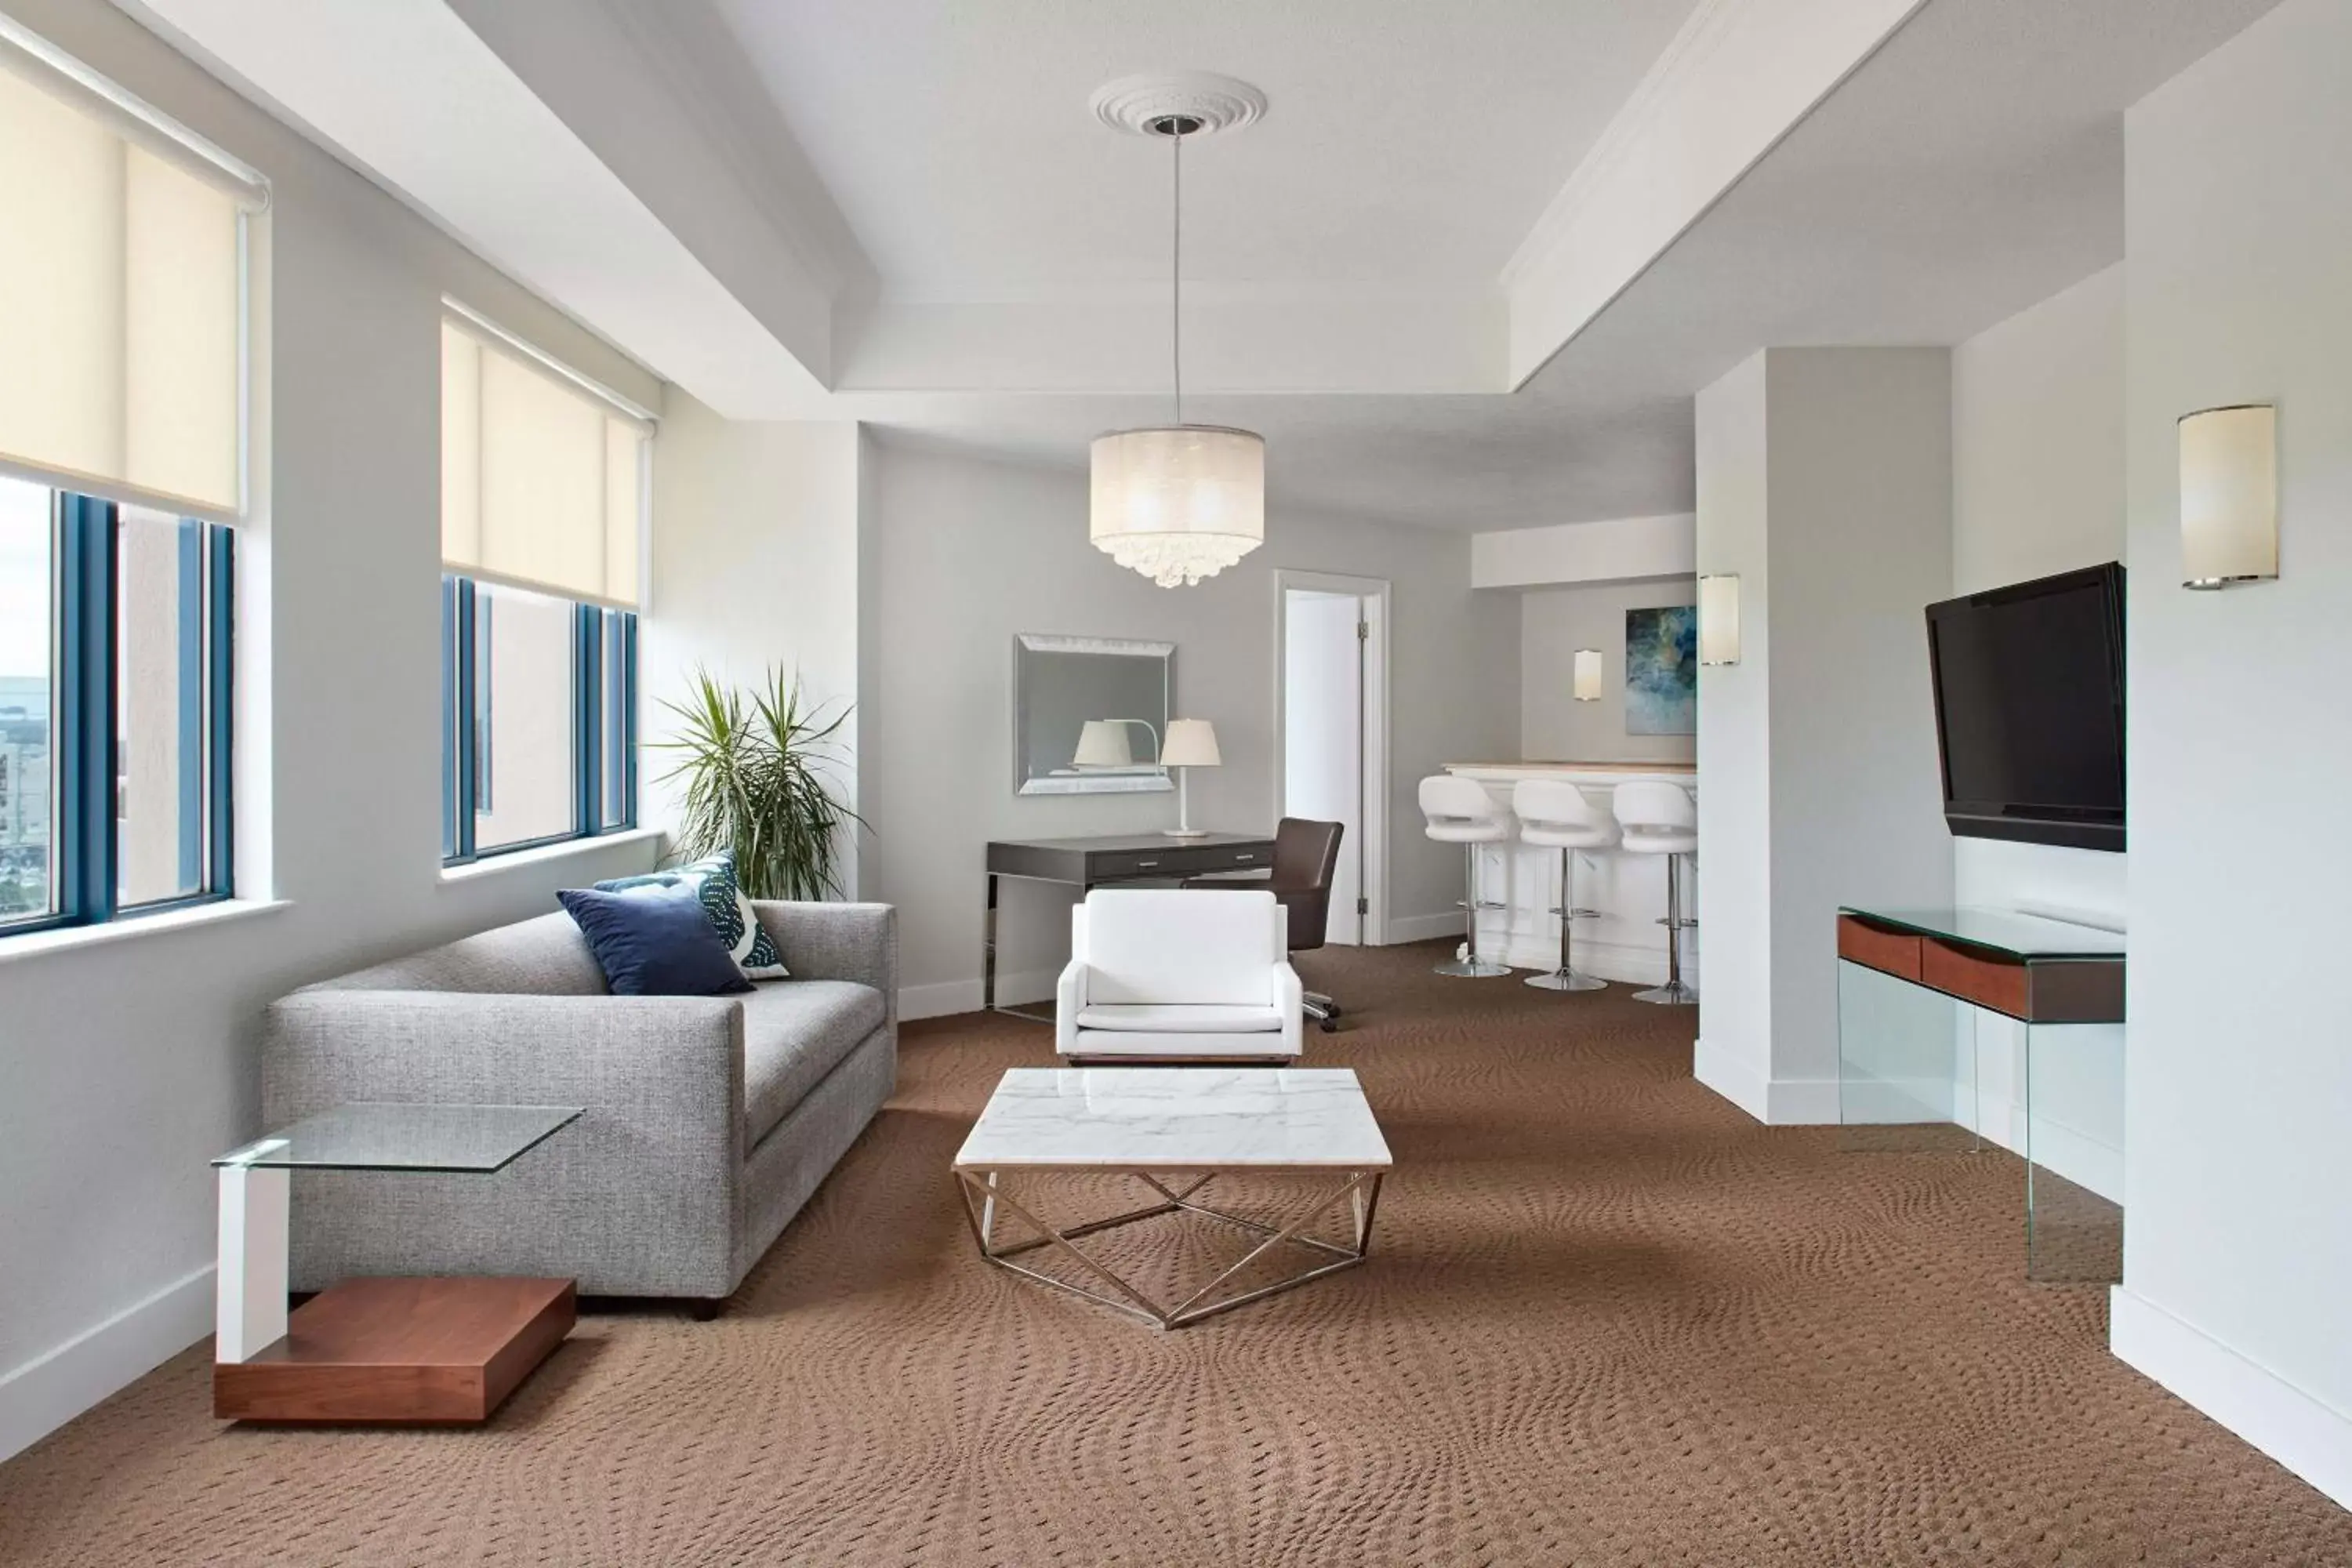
(1718, 619)
(1588, 675)
(2228, 495)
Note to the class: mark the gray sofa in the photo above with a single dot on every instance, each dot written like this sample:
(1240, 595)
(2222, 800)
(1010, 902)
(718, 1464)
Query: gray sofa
(710, 1120)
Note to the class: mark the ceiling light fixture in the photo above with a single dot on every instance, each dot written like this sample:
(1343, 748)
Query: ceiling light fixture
(1178, 503)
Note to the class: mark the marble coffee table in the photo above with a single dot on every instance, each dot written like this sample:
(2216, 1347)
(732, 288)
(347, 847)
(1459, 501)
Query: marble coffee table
(1175, 1130)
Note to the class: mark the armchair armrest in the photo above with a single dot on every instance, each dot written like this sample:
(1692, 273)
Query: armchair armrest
(837, 941)
(1069, 996)
(1290, 995)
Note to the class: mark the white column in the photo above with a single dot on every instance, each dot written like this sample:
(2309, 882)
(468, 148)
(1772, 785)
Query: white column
(250, 1282)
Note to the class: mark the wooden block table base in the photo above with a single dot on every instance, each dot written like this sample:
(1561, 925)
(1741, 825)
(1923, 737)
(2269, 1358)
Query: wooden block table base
(414, 1351)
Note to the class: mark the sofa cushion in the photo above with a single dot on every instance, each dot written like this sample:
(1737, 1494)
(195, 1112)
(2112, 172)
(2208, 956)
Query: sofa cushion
(1176, 1046)
(795, 1032)
(1184, 1018)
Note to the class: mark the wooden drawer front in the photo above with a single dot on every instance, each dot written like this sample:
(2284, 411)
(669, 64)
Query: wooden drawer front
(1895, 952)
(1973, 976)
(2077, 992)
(1231, 857)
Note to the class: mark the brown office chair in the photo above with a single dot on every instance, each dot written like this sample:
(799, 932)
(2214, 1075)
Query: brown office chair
(1306, 854)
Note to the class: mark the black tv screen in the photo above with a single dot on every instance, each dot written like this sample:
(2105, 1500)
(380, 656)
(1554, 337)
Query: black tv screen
(2030, 709)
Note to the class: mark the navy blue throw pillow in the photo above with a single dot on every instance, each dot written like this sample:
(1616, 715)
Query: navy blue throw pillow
(654, 942)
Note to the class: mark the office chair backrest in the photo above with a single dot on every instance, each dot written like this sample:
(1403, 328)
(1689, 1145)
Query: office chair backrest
(1305, 856)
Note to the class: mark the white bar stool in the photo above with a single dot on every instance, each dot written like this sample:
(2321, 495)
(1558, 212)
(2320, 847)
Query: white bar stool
(1460, 811)
(1555, 813)
(1660, 819)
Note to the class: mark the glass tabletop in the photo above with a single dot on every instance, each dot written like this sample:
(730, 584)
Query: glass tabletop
(368, 1136)
(2029, 938)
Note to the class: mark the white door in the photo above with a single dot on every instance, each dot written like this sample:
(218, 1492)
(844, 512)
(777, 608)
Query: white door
(1323, 734)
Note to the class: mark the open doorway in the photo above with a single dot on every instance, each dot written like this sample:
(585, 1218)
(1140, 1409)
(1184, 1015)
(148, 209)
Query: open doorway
(1331, 726)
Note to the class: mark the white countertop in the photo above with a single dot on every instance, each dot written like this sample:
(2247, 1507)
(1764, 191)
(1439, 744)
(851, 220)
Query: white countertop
(1602, 772)
(1164, 1119)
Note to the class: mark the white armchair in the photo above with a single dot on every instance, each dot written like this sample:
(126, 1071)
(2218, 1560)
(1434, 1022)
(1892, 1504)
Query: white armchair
(1178, 975)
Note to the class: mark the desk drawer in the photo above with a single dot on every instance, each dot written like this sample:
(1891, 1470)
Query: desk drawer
(1177, 860)
(1894, 953)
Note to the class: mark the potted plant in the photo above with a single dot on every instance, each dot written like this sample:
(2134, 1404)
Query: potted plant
(753, 766)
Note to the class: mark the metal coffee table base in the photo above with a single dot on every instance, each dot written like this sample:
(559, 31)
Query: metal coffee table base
(983, 1195)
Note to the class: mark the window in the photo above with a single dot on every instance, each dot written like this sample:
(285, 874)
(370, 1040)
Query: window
(542, 506)
(123, 409)
(114, 707)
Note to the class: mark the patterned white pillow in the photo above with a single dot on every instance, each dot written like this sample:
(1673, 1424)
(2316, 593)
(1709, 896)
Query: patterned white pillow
(713, 880)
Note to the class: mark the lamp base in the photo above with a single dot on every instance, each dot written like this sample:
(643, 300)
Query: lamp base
(1183, 833)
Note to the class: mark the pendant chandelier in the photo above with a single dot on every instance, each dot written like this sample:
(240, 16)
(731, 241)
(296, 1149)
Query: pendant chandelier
(1178, 503)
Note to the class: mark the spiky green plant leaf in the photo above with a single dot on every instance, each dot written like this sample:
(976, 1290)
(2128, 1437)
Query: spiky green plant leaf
(754, 768)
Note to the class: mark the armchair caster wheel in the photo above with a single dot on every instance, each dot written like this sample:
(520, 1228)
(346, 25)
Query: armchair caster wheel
(1329, 1025)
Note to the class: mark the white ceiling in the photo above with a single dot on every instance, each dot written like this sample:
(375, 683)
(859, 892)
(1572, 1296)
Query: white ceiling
(902, 210)
(1973, 166)
(1407, 142)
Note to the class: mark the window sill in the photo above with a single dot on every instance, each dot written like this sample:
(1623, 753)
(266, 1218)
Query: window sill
(65, 939)
(490, 865)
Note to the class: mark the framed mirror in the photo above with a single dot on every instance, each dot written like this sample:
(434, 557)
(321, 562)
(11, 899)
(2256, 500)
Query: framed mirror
(1089, 714)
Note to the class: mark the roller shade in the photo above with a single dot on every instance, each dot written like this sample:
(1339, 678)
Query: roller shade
(122, 292)
(542, 481)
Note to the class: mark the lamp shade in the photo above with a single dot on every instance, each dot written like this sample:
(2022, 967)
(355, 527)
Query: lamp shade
(1192, 743)
(1588, 675)
(1103, 744)
(1178, 503)
(2228, 495)
(1719, 619)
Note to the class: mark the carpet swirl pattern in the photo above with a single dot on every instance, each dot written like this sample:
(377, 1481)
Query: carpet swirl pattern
(1607, 1320)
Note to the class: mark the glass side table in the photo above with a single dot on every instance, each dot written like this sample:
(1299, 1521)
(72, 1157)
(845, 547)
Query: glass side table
(422, 1351)
(1960, 1028)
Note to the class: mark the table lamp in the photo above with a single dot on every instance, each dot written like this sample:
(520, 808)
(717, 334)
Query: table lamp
(1192, 743)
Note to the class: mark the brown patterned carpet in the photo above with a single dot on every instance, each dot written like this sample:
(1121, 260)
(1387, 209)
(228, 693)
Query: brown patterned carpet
(1608, 1320)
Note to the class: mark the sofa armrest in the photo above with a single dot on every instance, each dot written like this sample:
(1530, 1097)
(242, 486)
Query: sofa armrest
(1069, 996)
(646, 1193)
(837, 941)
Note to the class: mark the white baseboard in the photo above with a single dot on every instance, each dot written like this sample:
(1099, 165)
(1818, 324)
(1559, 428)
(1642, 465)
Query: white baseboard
(948, 997)
(1774, 1101)
(50, 1390)
(1425, 927)
(2308, 1438)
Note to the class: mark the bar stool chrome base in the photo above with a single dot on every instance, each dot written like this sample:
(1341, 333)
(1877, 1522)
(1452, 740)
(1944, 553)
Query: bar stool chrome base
(1672, 994)
(1567, 980)
(1471, 968)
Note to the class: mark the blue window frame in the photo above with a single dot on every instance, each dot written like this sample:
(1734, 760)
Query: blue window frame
(114, 759)
(539, 703)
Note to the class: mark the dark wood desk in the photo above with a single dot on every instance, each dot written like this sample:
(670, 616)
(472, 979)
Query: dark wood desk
(1085, 863)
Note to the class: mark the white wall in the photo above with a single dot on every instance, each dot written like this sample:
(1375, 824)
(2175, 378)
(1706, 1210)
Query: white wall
(973, 551)
(1825, 483)
(1553, 624)
(757, 564)
(130, 1062)
(1615, 550)
(2237, 1254)
(2038, 488)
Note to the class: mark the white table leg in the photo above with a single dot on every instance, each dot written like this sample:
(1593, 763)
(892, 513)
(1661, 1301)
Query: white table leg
(250, 1282)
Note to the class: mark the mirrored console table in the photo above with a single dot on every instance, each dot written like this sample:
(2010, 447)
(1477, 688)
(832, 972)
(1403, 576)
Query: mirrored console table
(1959, 1030)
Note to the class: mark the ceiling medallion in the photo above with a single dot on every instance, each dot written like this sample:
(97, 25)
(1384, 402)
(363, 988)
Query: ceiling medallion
(1178, 503)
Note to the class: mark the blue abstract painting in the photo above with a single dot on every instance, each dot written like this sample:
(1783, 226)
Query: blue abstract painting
(1662, 672)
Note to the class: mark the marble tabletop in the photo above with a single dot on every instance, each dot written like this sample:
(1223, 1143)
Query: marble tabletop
(1165, 1119)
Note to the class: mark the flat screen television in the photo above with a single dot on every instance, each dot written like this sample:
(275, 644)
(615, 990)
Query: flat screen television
(2030, 709)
